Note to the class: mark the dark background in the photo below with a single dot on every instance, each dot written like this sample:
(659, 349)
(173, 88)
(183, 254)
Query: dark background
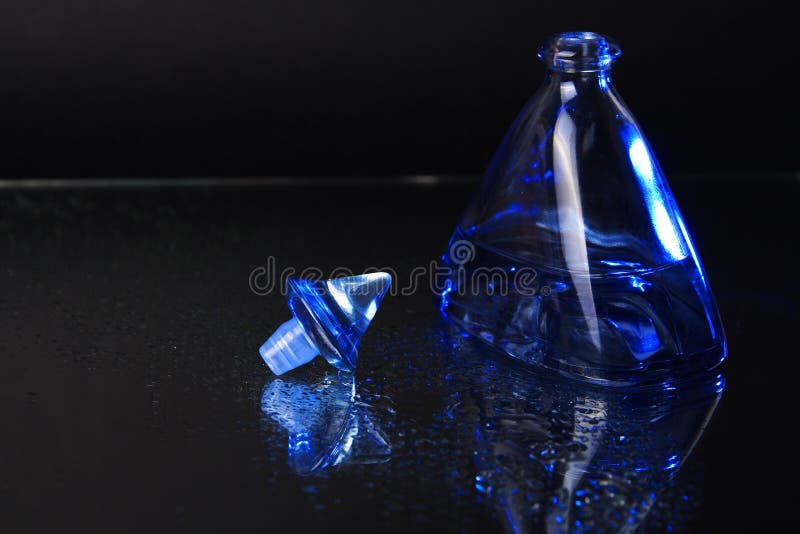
(131, 383)
(259, 87)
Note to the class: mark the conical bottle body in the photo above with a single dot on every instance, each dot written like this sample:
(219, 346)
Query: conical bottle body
(573, 253)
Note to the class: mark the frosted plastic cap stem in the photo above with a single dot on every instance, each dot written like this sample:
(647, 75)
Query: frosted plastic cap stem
(288, 347)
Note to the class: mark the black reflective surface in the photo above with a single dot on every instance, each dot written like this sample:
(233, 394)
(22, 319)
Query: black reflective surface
(134, 399)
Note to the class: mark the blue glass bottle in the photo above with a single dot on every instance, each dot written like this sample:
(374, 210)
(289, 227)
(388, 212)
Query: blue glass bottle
(573, 254)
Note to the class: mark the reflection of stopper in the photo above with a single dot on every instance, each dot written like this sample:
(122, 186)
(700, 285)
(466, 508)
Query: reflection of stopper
(330, 317)
(326, 426)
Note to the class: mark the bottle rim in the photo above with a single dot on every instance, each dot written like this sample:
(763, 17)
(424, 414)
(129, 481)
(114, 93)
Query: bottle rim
(578, 52)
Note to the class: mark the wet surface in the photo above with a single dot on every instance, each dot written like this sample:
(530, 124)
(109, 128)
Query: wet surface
(133, 397)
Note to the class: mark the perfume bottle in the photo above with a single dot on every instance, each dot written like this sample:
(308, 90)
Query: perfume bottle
(573, 254)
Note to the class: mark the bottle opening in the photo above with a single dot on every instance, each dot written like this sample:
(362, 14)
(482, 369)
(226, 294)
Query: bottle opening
(579, 52)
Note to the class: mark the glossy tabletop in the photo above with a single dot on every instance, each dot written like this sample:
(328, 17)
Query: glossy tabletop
(133, 397)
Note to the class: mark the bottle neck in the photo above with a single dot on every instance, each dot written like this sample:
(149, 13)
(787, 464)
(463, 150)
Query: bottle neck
(600, 79)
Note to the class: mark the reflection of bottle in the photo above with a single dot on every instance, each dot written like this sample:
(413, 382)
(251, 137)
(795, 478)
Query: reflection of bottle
(561, 456)
(573, 253)
(326, 425)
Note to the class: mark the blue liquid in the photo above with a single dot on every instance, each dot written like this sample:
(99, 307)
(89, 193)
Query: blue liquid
(616, 322)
